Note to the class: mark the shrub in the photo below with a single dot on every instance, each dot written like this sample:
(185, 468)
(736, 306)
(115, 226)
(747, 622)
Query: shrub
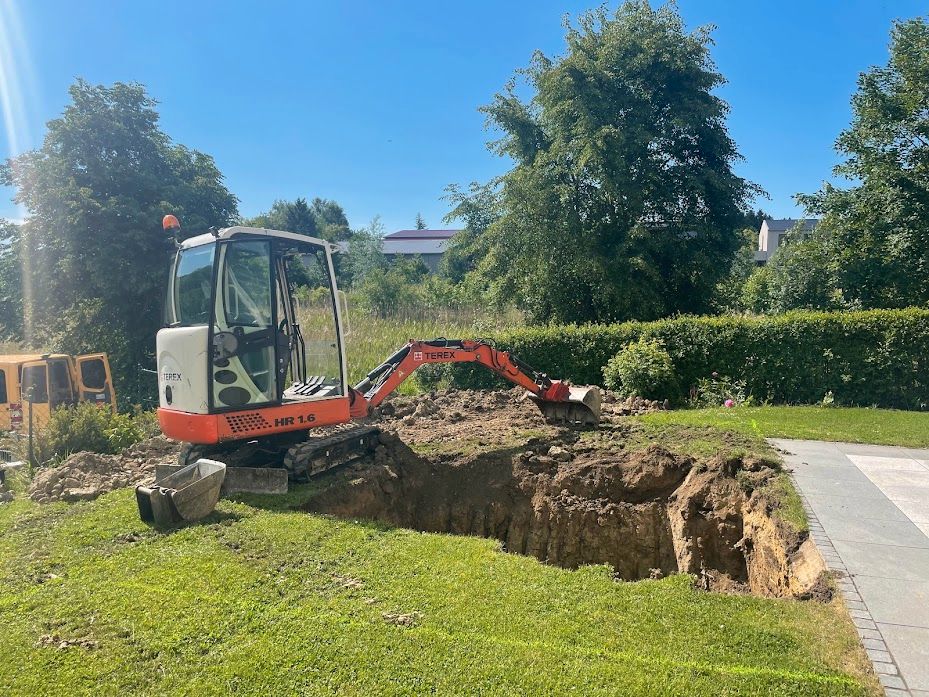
(86, 427)
(716, 390)
(643, 369)
(874, 357)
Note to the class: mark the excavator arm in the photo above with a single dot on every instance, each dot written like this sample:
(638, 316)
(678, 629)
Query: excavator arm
(558, 401)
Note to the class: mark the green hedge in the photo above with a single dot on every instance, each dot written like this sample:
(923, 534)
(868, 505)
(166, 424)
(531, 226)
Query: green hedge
(876, 357)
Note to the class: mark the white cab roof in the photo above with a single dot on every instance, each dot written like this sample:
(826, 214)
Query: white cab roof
(228, 232)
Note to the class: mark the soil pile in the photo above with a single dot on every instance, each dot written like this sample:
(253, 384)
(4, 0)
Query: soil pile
(464, 416)
(485, 416)
(85, 476)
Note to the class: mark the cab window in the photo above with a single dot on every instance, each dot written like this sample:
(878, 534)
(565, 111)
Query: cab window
(93, 373)
(191, 288)
(247, 284)
(59, 375)
(35, 384)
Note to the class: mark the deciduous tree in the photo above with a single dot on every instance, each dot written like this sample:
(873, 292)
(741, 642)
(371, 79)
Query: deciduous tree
(11, 292)
(877, 232)
(95, 193)
(622, 202)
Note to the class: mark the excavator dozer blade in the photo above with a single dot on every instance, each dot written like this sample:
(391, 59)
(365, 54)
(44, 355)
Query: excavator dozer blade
(582, 407)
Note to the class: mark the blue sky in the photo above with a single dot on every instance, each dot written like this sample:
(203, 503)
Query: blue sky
(375, 104)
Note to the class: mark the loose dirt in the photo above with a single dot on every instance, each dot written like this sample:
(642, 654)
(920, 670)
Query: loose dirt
(487, 464)
(84, 476)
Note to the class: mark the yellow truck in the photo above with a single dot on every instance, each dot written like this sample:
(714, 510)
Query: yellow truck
(45, 381)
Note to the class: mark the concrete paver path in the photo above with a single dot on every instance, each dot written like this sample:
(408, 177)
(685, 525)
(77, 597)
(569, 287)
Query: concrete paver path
(869, 514)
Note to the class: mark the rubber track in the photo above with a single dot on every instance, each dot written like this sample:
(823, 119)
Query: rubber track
(307, 459)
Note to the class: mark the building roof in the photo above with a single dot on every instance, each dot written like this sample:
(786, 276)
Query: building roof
(393, 245)
(785, 224)
(420, 235)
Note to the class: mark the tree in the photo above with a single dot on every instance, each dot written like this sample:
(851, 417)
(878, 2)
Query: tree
(95, 193)
(801, 274)
(274, 219)
(728, 296)
(322, 218)
(478, 208)
(298, 217)
(876, 233)
(11, 283)
(622, 202)
(330, 220)
(420, 223)
(365, 255)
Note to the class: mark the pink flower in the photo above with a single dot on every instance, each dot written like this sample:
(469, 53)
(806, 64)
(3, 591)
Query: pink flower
(715, 374)
(729, 403)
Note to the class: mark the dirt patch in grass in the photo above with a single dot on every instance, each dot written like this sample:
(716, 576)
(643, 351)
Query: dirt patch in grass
(85, 476)
(487, 464)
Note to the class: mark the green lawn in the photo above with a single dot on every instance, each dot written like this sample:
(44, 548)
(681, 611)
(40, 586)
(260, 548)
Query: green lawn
(264, 600)
(879, 426)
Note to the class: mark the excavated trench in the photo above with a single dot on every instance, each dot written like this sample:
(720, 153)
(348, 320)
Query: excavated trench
(646, 514)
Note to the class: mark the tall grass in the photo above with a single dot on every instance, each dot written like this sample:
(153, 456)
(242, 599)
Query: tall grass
(370, 339)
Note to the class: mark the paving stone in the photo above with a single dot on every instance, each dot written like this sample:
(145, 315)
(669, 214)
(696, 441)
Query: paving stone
(863, 624)
(896, 601)
(884, 560)
(882, 668)
(879, 655)
(851, 528)
(872, 463)
(876, 508)
(892, 681)
(910, 649)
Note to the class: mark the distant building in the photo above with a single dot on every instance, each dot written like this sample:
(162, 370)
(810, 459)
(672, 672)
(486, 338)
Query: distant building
(773, 231)
(428, 244)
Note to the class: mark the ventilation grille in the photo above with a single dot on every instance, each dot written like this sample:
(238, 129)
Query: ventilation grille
(243, 423)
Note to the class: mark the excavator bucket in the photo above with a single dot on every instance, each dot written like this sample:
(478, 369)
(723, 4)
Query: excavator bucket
(582, 407)
(187, 495)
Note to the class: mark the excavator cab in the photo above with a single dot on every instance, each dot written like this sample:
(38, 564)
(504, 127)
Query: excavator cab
(233, 341)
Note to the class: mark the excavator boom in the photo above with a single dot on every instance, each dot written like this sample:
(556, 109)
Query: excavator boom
(557, 400)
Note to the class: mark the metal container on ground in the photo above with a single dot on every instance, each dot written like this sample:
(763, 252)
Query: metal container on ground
(187, 495)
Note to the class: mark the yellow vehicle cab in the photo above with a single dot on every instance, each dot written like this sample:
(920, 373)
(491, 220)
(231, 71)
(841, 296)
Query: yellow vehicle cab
(43, 382)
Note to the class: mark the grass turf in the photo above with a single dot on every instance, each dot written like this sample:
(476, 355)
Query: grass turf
(265, 600)
(853, 425)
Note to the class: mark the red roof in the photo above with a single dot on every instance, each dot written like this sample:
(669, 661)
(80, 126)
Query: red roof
(420, 235)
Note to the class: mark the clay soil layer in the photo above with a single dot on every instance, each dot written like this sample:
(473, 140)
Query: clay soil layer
(487, 464)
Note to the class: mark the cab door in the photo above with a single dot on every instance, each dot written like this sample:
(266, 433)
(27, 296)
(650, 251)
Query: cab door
(61, 388)
(94, 382)
(7, 400)
(33, 387)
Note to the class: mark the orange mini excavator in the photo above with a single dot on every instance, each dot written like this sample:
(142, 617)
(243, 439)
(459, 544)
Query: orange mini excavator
(249, 365)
